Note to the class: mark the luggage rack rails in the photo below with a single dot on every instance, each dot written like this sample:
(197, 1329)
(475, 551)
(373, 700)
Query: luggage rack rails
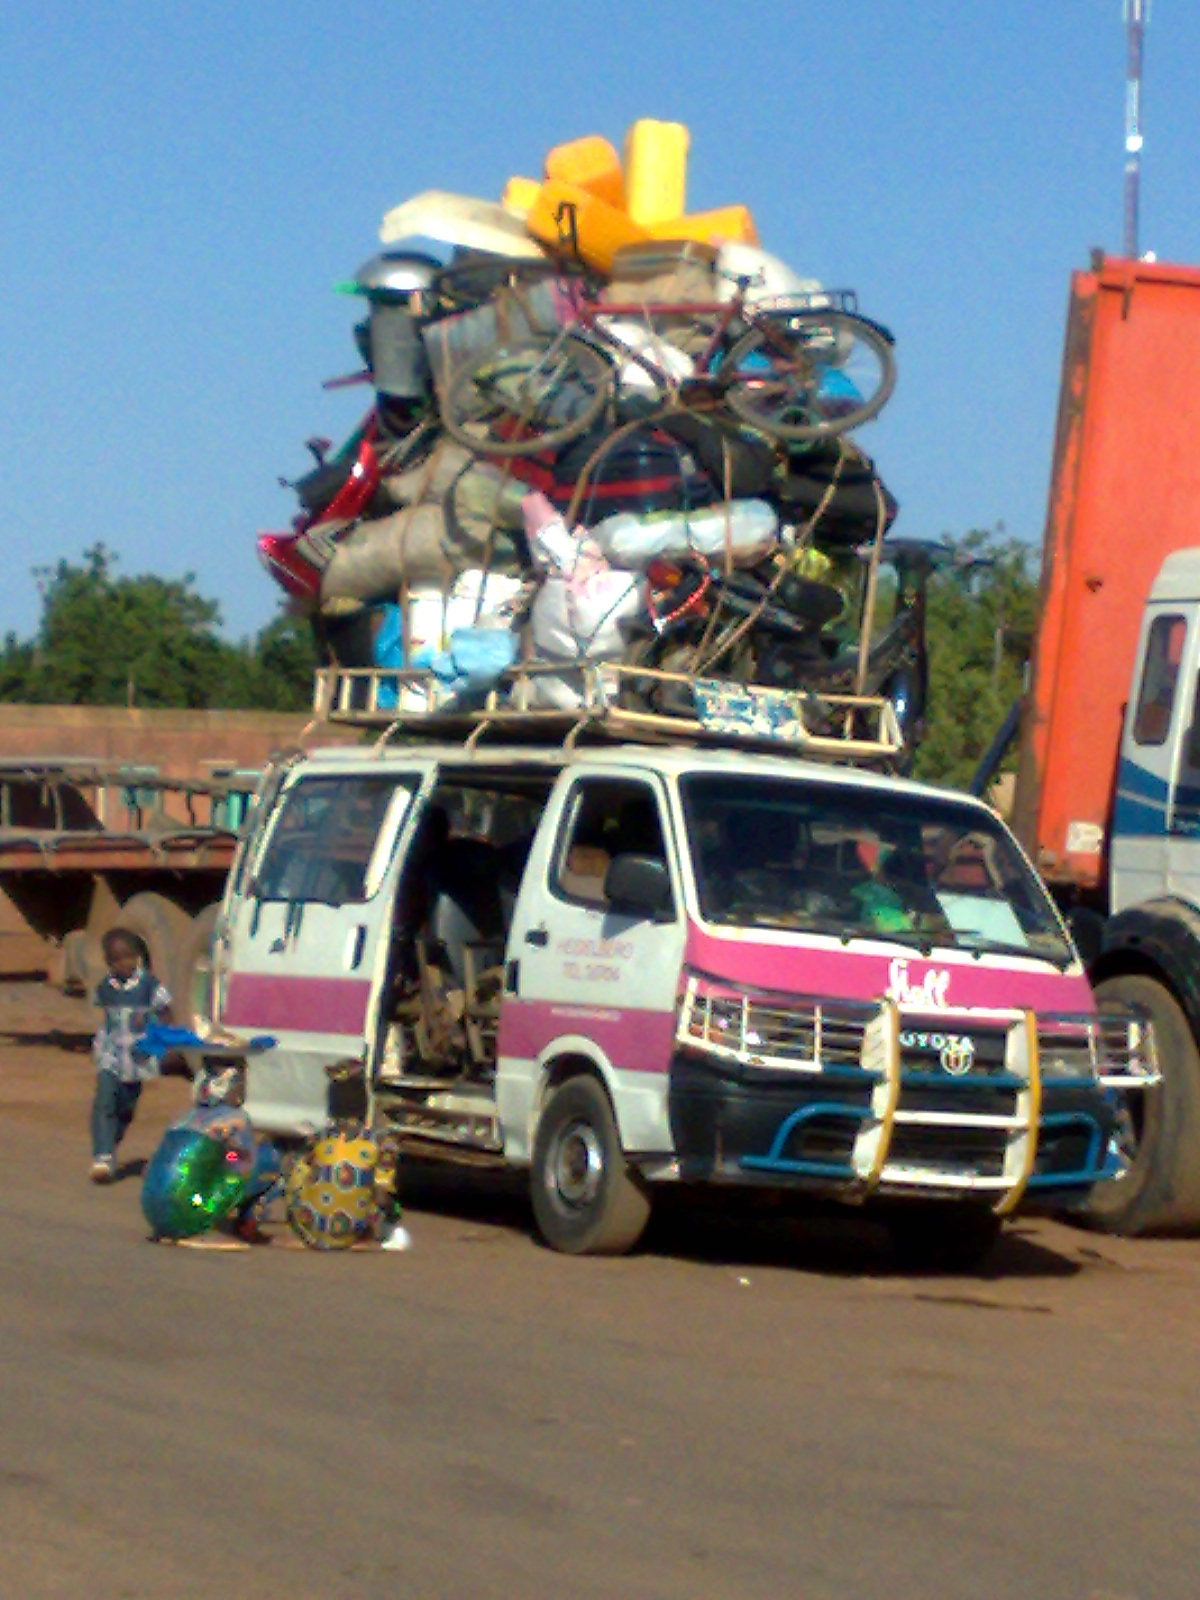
(413, 702)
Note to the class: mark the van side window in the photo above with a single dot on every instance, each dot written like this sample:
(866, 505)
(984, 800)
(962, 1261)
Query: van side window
(325, 839)
(1160, 674)
(606, 817)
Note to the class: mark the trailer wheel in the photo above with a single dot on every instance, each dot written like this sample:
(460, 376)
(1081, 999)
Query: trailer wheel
(193, 1002)
(585, 1200)
(941, 1236)
(1159, 1190)
(164, 928)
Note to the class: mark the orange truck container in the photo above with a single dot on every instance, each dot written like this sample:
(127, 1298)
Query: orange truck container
(1107, 797)
(1125, 492)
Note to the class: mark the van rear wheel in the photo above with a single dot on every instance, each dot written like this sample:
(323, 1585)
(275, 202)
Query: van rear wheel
(585, 1200)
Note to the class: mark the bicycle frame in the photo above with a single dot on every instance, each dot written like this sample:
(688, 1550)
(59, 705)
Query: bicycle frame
(592, 315)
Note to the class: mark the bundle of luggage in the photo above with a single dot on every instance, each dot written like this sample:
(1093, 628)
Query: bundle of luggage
(638, 517)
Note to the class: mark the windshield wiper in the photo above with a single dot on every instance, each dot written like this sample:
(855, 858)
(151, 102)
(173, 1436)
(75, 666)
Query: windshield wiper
(912, 938)
(979, 945)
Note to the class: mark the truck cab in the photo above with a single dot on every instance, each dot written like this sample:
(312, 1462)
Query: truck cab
(1146, 950)
(1155, 846)
(1109, 773)
(617, 965)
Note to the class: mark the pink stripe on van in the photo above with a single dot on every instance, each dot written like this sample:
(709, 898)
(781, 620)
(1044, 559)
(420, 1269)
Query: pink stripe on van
(917, 985)
(296, 1004)
(633, 1041)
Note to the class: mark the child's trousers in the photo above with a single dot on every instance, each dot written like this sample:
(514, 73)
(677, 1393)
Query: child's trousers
(112, 1112)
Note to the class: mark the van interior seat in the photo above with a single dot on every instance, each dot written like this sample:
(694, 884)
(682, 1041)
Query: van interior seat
(467, 909)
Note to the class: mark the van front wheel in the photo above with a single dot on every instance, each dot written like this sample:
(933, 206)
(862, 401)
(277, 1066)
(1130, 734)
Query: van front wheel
(585, 1201)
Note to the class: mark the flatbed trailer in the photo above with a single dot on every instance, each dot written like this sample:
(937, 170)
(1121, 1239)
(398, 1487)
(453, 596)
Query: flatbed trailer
(86, 845)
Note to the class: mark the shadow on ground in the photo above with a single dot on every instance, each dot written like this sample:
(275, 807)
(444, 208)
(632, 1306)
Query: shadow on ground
(47, 1039)
(731, 1230)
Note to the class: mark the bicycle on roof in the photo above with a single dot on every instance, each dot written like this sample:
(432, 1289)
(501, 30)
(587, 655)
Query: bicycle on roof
(798, 368)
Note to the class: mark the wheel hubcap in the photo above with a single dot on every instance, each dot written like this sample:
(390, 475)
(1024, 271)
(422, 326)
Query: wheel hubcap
(578, 1165)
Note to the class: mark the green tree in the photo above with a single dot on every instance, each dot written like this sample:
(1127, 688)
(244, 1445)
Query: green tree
(281, 661)
(108, 639)
(981, 618)
(16, 662)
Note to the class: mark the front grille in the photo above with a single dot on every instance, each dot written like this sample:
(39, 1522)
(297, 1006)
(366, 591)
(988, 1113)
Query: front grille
(863, 1095)
(1128, 1054)
(764, 1031)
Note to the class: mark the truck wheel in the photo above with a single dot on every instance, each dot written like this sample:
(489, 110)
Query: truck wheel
(585, 1201)
(193, 1003)
(941, 1236)
(165, 930)
(1159, 1190)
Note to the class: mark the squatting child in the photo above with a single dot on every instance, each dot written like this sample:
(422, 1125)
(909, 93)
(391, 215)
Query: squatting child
(129, 997)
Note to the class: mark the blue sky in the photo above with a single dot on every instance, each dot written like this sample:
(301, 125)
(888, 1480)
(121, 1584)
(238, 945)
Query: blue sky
(183, 185)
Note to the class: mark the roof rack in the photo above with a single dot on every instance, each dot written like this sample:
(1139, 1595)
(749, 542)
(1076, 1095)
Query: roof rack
(609, 701)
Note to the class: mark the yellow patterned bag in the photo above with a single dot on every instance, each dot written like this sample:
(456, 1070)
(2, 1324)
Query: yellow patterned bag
(341, 1188)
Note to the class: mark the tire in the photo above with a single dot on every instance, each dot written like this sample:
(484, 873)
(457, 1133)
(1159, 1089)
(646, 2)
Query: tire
(554, 390)
(1159, 1192)
(585, 1201)
(941, 1235)
(193, 1001)
(164, 928)
(803, 353)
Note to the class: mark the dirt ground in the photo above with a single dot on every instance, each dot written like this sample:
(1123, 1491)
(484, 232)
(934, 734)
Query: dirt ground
(736, 1410)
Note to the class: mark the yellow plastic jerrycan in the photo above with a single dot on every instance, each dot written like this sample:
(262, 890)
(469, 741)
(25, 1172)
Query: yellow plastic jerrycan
(592, 163)
(726, 225)
(601, 229)
(519, 195)
(656, 170)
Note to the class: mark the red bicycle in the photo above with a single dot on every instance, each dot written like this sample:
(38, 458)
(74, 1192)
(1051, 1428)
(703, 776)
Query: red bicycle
(798, 369)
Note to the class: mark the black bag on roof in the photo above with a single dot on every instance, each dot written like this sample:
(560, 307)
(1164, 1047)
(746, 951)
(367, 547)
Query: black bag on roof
(858, 495)
(645, 469)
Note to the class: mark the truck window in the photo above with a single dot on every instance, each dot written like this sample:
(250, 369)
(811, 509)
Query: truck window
(1160, 675)
(606, 817)
(329, 838)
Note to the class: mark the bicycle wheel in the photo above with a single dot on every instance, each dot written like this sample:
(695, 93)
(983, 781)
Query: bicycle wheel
(809, 375)
(527, 396)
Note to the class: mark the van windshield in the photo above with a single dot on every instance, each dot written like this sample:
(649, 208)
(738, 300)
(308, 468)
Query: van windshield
(864, 864)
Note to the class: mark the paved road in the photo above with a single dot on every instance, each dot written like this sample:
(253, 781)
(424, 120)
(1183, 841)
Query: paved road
(733, 1413)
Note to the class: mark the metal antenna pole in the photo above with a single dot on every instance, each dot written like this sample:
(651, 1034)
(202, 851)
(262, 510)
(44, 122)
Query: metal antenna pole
(1137, 13)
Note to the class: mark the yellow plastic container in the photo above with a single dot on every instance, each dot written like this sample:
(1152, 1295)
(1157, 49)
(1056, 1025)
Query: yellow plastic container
(592, 163)
(601, 229)
(519, 195)
(656, 170)
(728, 224)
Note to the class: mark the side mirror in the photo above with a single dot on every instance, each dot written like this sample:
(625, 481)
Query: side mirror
(640, 884)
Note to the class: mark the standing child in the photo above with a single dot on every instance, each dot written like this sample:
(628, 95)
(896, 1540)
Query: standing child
(130, 998)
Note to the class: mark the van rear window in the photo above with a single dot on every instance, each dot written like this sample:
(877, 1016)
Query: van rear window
(326, 837)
